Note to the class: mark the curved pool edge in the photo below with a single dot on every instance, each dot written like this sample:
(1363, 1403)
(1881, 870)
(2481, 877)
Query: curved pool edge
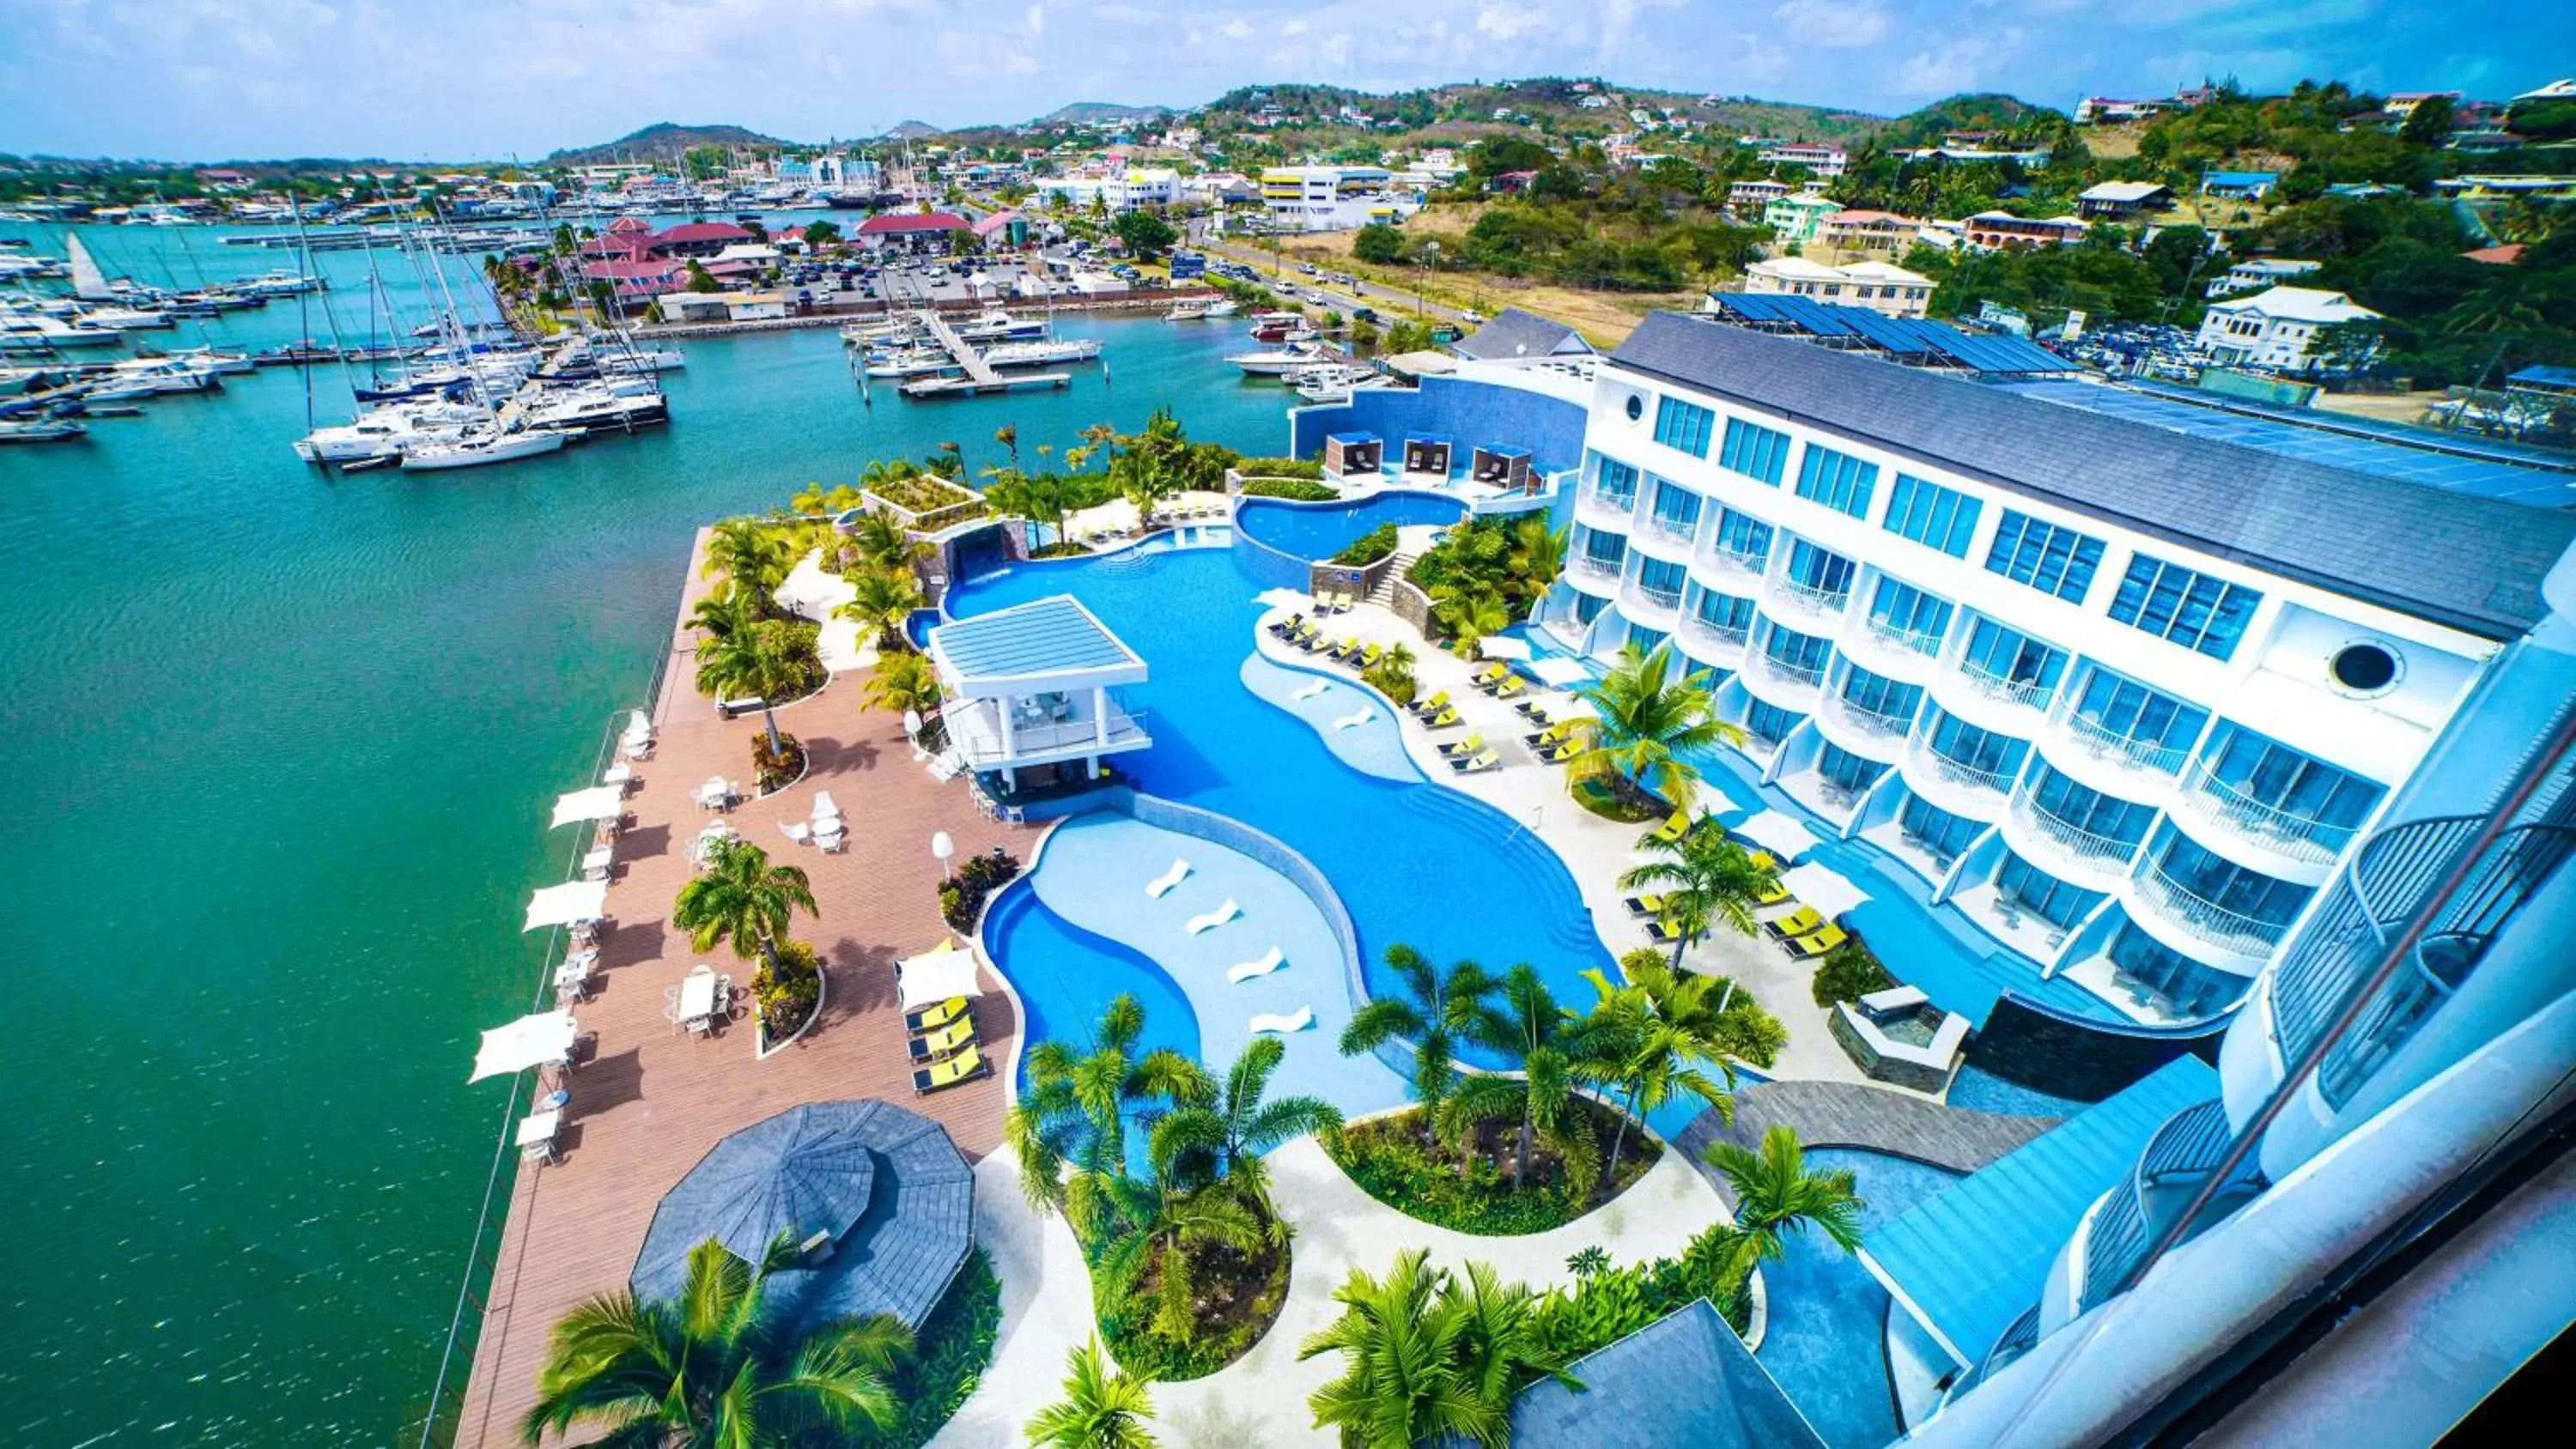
(985, 956)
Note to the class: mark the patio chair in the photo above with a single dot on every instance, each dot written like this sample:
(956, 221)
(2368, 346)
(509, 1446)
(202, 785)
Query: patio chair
(1510, 685)
(1564, 752)
(1772, 894)
(833, 841)
(1671, 830)
(1821, 942)
(1370, 656)
(1343, 650)
(1477, 763)
(1551, 737)
(936, 1015)
(1447, 719)
(1314, 641)
(1460, 749)
(1490, 674)
(1644, 906)
(1426, 708)
(1797, 923)
(671, 1005)
(945, 1041)
(798, 833)
(1287, 628)
(1661, 932)
(967, 1066)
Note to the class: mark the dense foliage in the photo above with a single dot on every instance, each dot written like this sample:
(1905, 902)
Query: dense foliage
(1306, 468)
(1295, 490)
(1369, 547)
(1387, 1158)
(1485, 574)
(1848, 973)
(947, 1361)
(962, 894)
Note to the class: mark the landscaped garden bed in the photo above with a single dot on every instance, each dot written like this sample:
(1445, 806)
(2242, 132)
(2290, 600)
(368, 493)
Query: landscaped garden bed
(948, 1359)
(1234, 1298)
(1391, 1160)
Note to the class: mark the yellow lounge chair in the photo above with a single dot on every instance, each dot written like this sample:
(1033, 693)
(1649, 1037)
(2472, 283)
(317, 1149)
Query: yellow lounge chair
(1489, 674)
(1553, 735)
(1561, 754)
(1425, 709)
(936, 1015)
(1643, 906)
(1821, 942)
(1289, 627)
(1370, 656)
(1481, 760)
(1656, 930)
(966, 1066)
(946, 1041)
(1772, 895)
(1460, 749)
(1797, 923)
(1510, 686)
(1446, 719)
(1671, 830)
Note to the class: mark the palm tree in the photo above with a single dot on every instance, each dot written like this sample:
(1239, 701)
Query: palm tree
(1645, 721)
(880, 542)
(1102, 1408)
(1422, 1360)
(727, 610)
(1447, 1009)
(1073, 1112)
(1546, 1048)
(1708, 881)
(904, 683)
(1467, 615)
(769, 659)
(743, 898)
(1164, 1220)
(710, 1369)
(1222, 1139)
(882, 599)
(1649, 1039)
(1776, 1196)
(1537, 556)
(1008, 435)
(881, 473)
(750, 553)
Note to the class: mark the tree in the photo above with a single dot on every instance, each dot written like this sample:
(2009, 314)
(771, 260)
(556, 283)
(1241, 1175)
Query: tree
(727, 610)
(1073, 1113)
(712, 1368)
(820, 234)
(1101, 1409)
(1468, 615)
(741, 897)
(1645, 721)
(1776, 1196)
(878, 540)
(771, 659)
(700, 279)
(1707, 880)
(2428, 124)
(1445, 1009)
(1651, 1037)
(1145, 234)
(1223, 1140)
(1379, 244)
(1424, 1359)
(903, 682)
(1544, 1048)
(753, 554)
(882, 599)
(1160, 1220)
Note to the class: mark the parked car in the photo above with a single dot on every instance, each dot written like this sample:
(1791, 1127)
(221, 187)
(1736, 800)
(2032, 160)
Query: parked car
(1363, 314)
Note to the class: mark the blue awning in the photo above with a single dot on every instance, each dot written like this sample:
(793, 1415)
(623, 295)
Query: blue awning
(1971, 1258)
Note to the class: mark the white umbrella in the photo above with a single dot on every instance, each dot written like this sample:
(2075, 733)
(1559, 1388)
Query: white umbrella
(574, 900)
(1571, 706)
(638, 725)
(936, 976)
(1558, 670)
(531, 1041)
(1503, 646)
(1778, 834)
(1815, 886)
(601, 802)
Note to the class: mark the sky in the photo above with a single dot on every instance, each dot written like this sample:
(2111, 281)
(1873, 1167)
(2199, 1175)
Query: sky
(494, 79)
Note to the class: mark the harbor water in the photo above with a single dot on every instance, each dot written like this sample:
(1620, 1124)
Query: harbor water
(279, 746)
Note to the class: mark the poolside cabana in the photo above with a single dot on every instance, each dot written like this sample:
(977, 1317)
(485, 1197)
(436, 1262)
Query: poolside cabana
(1033, 692)
(1427, 455)
(877, 1201)
(1505, 468)
(1349, 453)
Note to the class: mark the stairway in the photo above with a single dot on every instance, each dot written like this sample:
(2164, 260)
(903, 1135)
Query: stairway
(1384, 593)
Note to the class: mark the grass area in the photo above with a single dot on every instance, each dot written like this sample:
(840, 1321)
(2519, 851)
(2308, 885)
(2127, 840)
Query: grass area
(1236, 1297)
(948, 1360)
(1389, 1161)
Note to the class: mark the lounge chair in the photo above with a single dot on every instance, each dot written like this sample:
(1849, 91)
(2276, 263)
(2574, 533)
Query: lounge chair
(1370, 656)
(1161, 884)
(1313, 642)
(1310, 691)
(1201, 924)
(967, 1066)
(1563, 753)
(1659, 931)
(1480, 761)
(1262, 965)
(1446, 719)
(1489, 674)
(1820, 942)
(934, 1016)
(1298, 1020)
(1288, 627)
(1772, 895)
(1346, 650)
(1459, 749)
(1549, 738)
(1535, 711)
(944, 1041)
(1671, 830)
(1797, 923)
(1426, 708)
(1355, 718)
(1645, 906)
(1510, 685)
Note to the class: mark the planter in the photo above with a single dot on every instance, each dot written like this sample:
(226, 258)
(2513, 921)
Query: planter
(762, 1047)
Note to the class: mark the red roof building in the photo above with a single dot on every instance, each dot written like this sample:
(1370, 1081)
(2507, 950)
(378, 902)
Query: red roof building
(700, 238)
(912, 223)
(2510, 254)
(639, 280)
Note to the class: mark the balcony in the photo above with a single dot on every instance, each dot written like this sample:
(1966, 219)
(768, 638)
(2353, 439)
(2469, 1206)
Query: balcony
(2085, 857)
(1899, 653)
(1978, 780)
(1670, 530)
(2146, 767)
(1718, 646)
(1776, 681)
(2269, 829)
(1981, 683)
(1599, 507)
(1729, 571)
(1864, 731)
(2176, 1160)
(1653, 607)
(1595, 575)
(1816, 610)
(2223, 937)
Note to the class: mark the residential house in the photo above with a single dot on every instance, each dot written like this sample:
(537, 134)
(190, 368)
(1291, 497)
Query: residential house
(1989, 231)
(700, 238)
(2276, 329)
(1749, 197)
(1799, 218)
(2255, 273)
(913, 230)
(2103, 109)
(2239, 185)
(2402, 104)
(1825, 163)
(1950, 151)
(1868, 231)
(2119, 200)
(1888, 290)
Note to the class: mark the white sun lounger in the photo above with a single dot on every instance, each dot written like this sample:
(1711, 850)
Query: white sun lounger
(1298, 1020)
(1268, 963)
(1215, 918)
(1310, 691)
(1349, 721)
(1162, 884)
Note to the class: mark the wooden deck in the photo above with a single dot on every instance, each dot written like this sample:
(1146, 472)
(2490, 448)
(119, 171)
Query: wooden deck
(647, 1100)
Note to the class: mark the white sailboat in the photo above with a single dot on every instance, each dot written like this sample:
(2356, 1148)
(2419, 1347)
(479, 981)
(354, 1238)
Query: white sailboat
(88, 282)
(477, 449)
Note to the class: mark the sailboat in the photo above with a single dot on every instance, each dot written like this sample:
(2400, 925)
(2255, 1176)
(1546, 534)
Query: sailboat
(88, 282)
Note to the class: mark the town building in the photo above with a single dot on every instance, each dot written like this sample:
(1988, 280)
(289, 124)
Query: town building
(1868, 231)
(2402, 104)
(1825, 163)
(2103, 109)
(2121, 200)
(1333, 198)
(1888, 290)
(1799, 218)
(2277, 328)
(1749, 197)
(2255, 273)
(913, 230)
(2239, 185)
(1952, 151)
(1992, 231)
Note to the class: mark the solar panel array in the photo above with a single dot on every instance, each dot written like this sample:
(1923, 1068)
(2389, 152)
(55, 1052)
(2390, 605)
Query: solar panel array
(2379, 449)
(1910, 339)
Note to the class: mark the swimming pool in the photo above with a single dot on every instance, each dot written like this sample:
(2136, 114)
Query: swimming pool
(1317, 531)
(1826, 1340)
(1412, 861)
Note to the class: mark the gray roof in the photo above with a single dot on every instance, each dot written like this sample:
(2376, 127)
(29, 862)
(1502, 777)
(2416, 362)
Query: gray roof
(1517, 334)
(1053, 635)
(2472, 563)
(893, 1192)
(1683, 1379)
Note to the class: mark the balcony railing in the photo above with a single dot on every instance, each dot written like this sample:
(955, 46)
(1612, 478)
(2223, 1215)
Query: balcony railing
(2102, 852)
(1782, 672)
(1958, 772)
(985, 743)
(1807, 599)
(1586, 566)
(2191, 1143)
(2009, 1345)
(1726, 563)
(1665, 599)
(1925, 642)
(1876, 724)
(1610, 500)
(2206, 920)
(2029, 694)
(2297, 836)
(1680, 530)
(1701, 636)
(2112, 747)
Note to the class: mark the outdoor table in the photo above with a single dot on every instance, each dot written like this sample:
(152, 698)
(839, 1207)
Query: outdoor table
(619, 775)
(594, 866)
(697, 996)
(574, 974)
(537, 1133)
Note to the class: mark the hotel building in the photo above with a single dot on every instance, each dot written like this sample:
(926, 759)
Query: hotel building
(1333, 198)
(2125, 698)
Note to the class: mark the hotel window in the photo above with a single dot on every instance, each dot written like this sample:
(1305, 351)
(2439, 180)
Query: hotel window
(1745, 536)
(1676, 507)
(2183, 607)
(2291, 791)
(1770, 724)
(1647, 641)
(1614, 482)
(1879, 695)
(2218, 881)
(1846, 771)
(2011, 657)
(1660, 578)
(2089, 810)
(1723, 611)
(1932, 515)
(1839, 481)
(1683, 425)
(2023, 884)
(1802, 653)
(1975, 747)
(1588, 607)
(1819, 569)
(2189, 988)
(1909, 610)
(1609, 550)
(1756, 452)
(1937, 830)
(2125, 709)
(2050, 559)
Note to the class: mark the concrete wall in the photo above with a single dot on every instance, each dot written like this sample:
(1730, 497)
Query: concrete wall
(1468, 414)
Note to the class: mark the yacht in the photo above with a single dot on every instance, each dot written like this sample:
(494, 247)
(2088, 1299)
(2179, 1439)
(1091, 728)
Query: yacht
(280, 282)
(165, 374)
(24, 333)
(1327, 383)
(1196, 310)
(384, 432)
(593, 410)
(41, 430)
(1275, 362)
(477, 449)
(1042, 354)
(997, 325)
(643, 359)
(913, 362)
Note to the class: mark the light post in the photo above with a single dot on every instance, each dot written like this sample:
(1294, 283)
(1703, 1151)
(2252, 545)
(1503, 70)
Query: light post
(944, 848)
(1430, 259)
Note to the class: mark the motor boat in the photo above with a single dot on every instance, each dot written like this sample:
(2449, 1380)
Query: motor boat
(593, 410)
(383, 432)
(41, 430)
(1333, 382)
(1042, 354)
(22, 333)
(477, 449)
(1275, 362)
(916, 362)
(165, 374)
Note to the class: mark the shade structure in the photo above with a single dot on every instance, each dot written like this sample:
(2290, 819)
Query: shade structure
(601, 802)
(639, 726)
(1778, 834)
(1815, 886)
(1503, 646)
(561, 905)
(886, 1192)
(531, 1041)
(936, 976)
(1558, 670)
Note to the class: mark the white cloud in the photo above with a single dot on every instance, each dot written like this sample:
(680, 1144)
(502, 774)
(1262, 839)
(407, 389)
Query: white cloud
(1831, 23)
(1962, 65)
(1294, 27)
(1508, 22)
(1237, 28)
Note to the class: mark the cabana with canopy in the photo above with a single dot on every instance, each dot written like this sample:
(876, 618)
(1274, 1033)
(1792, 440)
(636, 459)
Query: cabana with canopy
(936, 975)
(600, 802)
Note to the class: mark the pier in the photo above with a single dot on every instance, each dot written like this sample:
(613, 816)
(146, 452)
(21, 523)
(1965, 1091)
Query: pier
(981, 376)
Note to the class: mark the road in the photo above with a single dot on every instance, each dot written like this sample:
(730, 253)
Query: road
(1391, 303)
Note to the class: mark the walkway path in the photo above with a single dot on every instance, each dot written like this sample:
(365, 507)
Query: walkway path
(1850, 1114)
(1260, 1401)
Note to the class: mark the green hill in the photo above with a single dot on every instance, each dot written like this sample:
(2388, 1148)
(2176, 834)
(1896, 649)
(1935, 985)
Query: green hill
(663, 142)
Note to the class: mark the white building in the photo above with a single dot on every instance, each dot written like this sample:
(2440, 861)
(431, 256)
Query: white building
(2255, 273)
(1334, 198)
(1118, 191)
(1882, 288)
(1824, 162)
(1034, 693)
(2121, 696)
(2275, 328)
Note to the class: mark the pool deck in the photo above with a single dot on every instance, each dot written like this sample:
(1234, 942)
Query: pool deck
(1852, 1114)
(648, 1101)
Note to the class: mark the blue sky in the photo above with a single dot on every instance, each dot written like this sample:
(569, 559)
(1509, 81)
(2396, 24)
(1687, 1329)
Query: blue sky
(457, 79)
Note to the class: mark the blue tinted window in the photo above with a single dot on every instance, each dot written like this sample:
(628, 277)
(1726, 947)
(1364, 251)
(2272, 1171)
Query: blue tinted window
(2191, 609)
(1722, 611)
(2050, 559)
(2042, 894)
(1647, 640)
(1903, 607)
(1940, 832)
(1880, 695)
(1615, 479)
(2014, 658)
(1932, 515)
(1847, 771)
(1837, 480)
(1742, 533)
(1660, 576)
(1771, 724)
(1819, 568)
(1805, 652)
(1675, 504)
(1755, 452)
(1683, 425)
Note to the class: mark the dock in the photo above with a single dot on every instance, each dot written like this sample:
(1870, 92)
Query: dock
(976, 368)
(981, 376)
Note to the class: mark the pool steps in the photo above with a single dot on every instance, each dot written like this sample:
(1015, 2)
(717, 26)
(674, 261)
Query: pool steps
(1261, 967)
(1161, 885)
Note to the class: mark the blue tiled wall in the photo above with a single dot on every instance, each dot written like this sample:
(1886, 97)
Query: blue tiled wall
(1469, 414)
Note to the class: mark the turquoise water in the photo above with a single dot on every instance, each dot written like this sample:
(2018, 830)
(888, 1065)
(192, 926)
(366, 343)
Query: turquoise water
(280, 746)
(1321, 530)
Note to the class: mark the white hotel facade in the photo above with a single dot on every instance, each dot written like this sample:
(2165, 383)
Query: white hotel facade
(2127, 699)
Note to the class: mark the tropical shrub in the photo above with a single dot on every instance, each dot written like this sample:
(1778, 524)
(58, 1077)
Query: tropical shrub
(1310, 469)
(1849, 972)
(1387, 1158)
(1429, 1356)
(1369, 547)
(1392, 675)
(1293, 489)
(786, 987)
(1607, 1303)
(1746, 1028)
(776, 761)
(961, 897)
(948, 1359)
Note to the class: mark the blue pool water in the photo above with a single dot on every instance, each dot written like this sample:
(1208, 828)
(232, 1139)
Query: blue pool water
(1826, 1343)
(1321, 530)
(1413, 861)
(1065, 976)
(1978, 1090)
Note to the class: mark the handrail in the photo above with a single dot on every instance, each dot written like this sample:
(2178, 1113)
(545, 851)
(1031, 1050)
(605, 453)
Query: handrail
(1957, 772)
(1726, 560)
(2027, 693)
(2300, 837)
(1809, 596)
(2104, 743)
(1674, 528)
(2017, 1339)
(1660, 598)
(2227, 929)
(1596, 568)
(2190, 1142)
(2090, 846)
(1867, 721)
(1925, 642)
(1723, 636)
(1611, 498)
(1802, 676)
